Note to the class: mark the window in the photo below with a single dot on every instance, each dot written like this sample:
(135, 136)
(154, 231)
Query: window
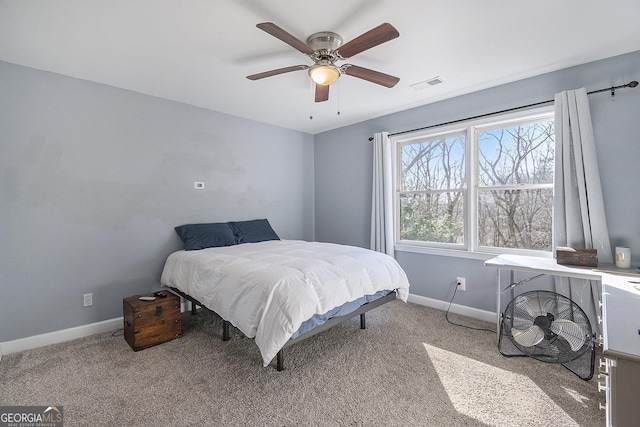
(432, 189)
(484, 186)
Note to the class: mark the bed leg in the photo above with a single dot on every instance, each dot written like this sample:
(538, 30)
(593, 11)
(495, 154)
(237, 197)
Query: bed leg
(280, 361)
(225, 330)
(363, 323)
(193, 308)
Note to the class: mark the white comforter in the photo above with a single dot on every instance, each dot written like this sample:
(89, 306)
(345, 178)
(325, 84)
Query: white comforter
(268, 289)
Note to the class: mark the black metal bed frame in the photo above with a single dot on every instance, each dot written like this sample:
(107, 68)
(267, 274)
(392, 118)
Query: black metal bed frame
(327, 325)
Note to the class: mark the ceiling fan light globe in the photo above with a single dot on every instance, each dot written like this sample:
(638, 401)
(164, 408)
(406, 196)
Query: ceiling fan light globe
(324, 74)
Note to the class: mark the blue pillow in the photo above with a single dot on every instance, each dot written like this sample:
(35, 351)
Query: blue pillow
(257, 230)
(201, 236)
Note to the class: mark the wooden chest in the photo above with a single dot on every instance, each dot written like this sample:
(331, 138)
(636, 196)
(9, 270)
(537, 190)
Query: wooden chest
(577, 256)
(147, 323)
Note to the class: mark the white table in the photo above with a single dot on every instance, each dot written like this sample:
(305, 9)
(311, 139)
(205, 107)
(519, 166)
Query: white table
(536, 265)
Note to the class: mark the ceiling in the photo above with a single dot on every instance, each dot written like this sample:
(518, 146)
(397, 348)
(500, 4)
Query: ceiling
(199, 52)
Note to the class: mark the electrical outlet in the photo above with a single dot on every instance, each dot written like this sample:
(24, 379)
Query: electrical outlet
(462, 284)
(88, 300)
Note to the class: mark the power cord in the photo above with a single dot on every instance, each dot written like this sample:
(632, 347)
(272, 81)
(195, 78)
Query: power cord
(446, 316)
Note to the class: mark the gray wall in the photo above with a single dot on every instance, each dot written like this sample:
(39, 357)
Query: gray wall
(93, 179)
(343, 169)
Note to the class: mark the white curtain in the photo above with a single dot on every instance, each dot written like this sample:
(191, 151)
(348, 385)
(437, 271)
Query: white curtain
(578, 209)
(382, 226)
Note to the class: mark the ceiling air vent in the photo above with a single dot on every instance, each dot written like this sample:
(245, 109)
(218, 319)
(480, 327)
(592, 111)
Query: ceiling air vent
(427, 83)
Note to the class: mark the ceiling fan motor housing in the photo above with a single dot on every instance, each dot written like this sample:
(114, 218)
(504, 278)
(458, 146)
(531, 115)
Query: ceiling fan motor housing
(324, 41)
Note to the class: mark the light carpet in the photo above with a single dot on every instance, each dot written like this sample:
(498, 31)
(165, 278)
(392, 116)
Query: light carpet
(408, 368)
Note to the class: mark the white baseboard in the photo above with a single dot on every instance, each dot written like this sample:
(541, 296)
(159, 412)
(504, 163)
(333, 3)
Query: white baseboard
(56, 337)
(487, 316)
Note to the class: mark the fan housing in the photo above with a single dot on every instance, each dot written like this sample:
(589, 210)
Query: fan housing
(324, 41)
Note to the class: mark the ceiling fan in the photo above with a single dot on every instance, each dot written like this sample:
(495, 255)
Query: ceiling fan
(325, 49)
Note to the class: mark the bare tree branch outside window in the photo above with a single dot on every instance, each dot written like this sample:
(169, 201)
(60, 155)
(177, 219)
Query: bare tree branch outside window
(514, 187)
(432, 190)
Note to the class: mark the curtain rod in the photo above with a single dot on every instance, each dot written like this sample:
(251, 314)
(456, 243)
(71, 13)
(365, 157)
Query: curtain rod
(631, 84)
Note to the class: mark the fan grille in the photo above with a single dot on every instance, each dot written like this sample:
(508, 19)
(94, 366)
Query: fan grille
(547, 326)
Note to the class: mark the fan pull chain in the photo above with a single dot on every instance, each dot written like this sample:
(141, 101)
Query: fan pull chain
(312, 92)
(338, 96)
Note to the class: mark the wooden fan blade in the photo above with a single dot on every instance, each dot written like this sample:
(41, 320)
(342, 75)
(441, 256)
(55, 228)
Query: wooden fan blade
(380, 34)
(370, 75)
(276, 72)
(322, 93)
(289, 39)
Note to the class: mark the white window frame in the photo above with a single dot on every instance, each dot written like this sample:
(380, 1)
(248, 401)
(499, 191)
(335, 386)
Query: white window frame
(471, 128)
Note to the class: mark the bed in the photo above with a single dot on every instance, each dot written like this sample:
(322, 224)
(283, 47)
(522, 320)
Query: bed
(277, 291)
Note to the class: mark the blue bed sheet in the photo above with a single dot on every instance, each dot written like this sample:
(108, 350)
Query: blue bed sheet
(347, 308)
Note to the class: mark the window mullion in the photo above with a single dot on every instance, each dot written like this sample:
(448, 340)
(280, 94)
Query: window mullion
(472, 193)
